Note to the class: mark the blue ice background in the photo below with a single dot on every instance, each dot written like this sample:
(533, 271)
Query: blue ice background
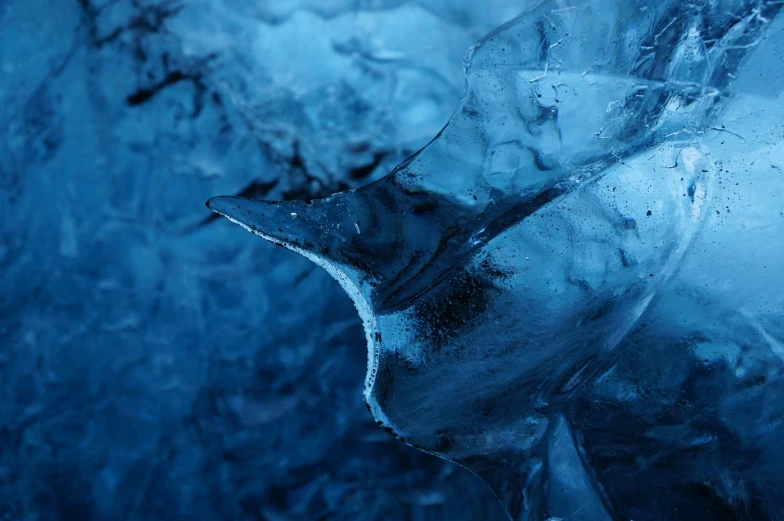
(156, 363)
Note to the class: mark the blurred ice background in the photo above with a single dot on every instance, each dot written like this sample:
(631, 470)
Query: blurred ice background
(156, 363)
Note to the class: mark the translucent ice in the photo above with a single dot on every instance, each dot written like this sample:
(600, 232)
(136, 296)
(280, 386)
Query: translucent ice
(576, 290)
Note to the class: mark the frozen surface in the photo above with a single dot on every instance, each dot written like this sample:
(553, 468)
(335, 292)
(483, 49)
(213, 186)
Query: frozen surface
(576, 290)
(153, 362)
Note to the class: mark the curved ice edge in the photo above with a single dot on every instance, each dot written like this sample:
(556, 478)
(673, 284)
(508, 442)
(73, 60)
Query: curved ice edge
(218, 205)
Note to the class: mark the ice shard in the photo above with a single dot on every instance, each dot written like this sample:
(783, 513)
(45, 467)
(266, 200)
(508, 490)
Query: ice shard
(576, 290)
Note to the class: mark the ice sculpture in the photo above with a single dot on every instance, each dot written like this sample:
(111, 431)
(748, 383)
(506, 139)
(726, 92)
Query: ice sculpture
(575, 290)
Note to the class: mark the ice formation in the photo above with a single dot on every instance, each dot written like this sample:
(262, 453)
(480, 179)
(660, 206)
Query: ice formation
(576, 290)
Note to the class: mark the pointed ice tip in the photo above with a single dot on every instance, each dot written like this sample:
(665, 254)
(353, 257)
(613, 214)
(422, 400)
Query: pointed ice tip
(308, 227)
(265, 218)
(221, 204)
(318, 230)
(258, 216)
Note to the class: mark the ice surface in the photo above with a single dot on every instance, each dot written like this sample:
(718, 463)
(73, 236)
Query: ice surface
(576, 289)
